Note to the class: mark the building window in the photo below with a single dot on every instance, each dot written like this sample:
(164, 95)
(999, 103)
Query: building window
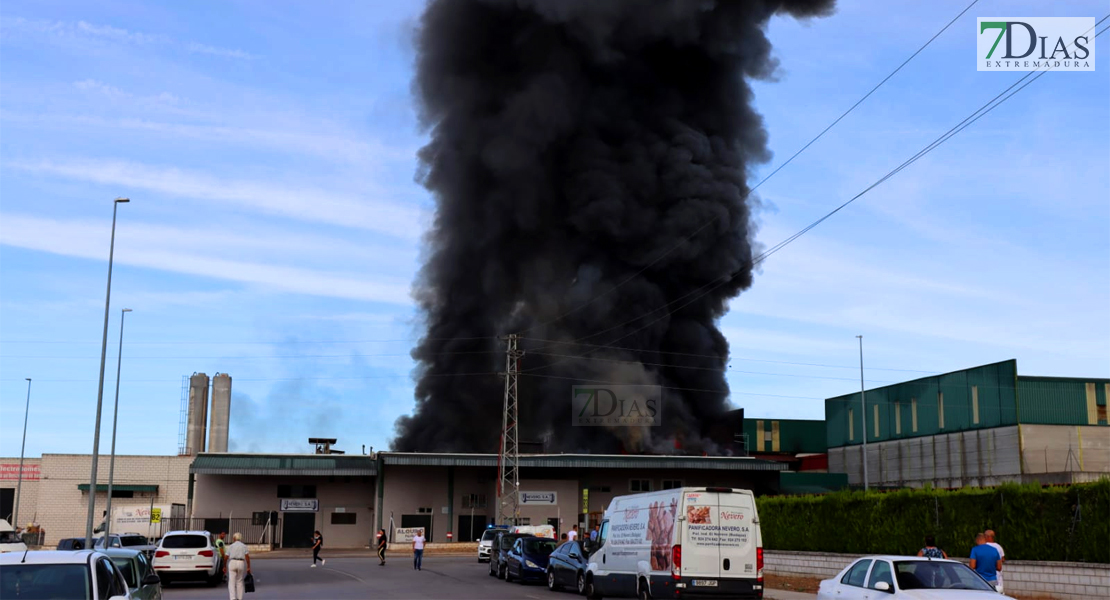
(525, 520)
(940, 409)
(296, 491)
(639, 485)
(670, 484)
(851, 426)
(123, 493)
(1101, 414)
(344, 518)
(600, 488)
(876, 420)
(474, 501)
(897, 418)
(424, 510)
(259, 518)
(975, 404)
(913, 414)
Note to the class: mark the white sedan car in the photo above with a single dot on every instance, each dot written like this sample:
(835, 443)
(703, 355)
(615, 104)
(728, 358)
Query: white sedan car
(881, 577)
(73, 575)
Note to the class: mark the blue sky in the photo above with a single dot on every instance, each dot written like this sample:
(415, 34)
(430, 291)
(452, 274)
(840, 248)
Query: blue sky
(274, 229)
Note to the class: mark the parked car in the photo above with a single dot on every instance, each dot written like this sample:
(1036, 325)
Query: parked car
(690, 541)
(138, 572)
(527, 560)
(501, 546)
(133, 541)
(566, 567)
(184, 555)
(81, 575)
(74, 543)
(485, 543)
(10, 541)
(906, 577)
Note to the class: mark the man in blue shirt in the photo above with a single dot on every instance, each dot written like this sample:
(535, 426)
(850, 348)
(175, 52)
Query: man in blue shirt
(985, 560)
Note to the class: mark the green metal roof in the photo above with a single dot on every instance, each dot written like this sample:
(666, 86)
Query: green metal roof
(116, 487)
(289, 464)
(585, 461)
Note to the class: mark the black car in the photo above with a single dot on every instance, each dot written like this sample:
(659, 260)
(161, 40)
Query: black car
(566, 567)
(499, 553)
(71, 544)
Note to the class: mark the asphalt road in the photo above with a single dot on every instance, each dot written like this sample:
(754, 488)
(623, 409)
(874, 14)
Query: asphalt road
(443, 577)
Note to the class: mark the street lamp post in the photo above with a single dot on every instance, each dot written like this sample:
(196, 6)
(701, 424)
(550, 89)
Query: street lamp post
(863, 412)
(115, 421)
(19, 484)
(100, 389)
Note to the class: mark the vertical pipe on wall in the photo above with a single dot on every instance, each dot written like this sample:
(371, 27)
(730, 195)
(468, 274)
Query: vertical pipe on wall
(451, 503)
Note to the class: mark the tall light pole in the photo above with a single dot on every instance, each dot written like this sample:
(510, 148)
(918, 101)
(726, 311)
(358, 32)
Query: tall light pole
(100, 389)
(863, 412)
(115, 421)
(19, 485)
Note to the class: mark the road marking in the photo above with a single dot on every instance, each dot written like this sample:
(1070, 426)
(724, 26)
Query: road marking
(345, 573)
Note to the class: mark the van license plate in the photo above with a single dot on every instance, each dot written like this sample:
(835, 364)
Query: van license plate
(705, 583)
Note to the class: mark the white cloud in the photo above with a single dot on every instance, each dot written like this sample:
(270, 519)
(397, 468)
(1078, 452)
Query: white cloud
(301, 203)
(225, 52)
(157, 249)
(115, 33)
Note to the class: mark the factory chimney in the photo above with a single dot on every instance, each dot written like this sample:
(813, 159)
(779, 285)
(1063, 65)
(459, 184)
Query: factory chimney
(221, 413)
(198, 413)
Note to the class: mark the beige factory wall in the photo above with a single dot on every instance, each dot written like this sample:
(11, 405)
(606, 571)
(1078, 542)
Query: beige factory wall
(61, 508)
(410, 488)
(239, 496)
(982, 457)
(29, 491)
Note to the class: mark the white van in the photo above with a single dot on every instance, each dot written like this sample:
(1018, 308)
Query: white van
(10, 541)
(679, 543)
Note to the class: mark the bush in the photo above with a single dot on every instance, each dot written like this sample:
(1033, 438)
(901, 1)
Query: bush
(1065, 523)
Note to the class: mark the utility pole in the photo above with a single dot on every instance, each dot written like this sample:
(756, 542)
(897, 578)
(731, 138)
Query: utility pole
(863, 413)
(19, 485)
(508, 485)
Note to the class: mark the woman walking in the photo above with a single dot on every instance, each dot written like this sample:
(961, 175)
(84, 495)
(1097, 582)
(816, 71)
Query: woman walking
(317, 543)
(381, 545)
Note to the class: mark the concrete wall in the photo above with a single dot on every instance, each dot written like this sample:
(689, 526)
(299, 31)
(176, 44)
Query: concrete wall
(1067, 581)
(29, 491)
(220, 414)
(239, 496)
(982, 457)
(61, 508)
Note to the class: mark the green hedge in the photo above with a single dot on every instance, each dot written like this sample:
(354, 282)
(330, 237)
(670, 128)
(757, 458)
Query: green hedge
(1033, 523)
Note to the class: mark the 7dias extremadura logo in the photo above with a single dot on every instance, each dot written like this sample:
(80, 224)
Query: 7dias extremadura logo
(1035, 43)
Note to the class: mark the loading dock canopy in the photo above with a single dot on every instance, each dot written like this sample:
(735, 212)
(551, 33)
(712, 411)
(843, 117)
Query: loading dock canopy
(585, 461)
(322, 465)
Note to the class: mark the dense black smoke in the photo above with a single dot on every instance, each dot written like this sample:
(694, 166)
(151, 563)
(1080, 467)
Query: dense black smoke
(576, 143)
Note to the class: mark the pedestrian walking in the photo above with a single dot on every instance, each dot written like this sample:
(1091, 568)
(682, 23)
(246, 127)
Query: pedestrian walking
(382, 542)
(1001, 553)
(237, 567)
(418, 549)
(317, 544)
(573, 533)
(985, 560)
(930, 550)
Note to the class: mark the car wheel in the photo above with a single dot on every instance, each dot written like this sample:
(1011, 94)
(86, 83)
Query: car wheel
(644, 593)
(591, 591)
(508, 574)
(502, 571)
(492, 573)
(581, 583)
(551, 584)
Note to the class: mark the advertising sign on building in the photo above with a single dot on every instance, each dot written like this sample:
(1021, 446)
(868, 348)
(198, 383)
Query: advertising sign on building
(155, 515)
(300, 505)
(405, 534)
(534, 498)
(585, 500)
(10, 472)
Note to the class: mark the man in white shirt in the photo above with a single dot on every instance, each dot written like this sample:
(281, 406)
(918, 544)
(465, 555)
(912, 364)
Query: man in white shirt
(573, 533)
(1001, 553)
(237, 567)
(418, 549)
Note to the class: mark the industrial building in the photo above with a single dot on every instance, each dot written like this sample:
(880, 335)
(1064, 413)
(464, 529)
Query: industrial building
(975, 427)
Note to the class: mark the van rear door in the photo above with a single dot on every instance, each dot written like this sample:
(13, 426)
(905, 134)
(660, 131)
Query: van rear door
(739, 537)
(701, 554)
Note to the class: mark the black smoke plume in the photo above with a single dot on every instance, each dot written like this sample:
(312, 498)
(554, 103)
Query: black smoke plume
(589, 160)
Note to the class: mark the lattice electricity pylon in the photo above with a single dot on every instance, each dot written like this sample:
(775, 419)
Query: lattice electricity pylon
(508, 463)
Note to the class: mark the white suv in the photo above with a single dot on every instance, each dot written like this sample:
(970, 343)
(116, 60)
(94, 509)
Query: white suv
(188, 555)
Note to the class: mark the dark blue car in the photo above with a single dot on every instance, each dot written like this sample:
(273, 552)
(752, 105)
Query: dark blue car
(527, 560)
(502, 543)
(566, 567)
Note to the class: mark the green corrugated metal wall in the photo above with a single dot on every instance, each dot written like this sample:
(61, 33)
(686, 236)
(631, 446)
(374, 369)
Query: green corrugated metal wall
(1004, 398)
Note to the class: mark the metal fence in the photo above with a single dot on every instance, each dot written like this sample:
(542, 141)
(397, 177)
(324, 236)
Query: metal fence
(254, 531)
